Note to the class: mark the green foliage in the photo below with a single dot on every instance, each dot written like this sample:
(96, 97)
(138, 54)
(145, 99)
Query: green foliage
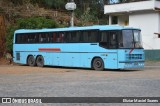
(55, 4)
(89, 10)
(36, 23)
(86, 17)
(28, 23)
(9, 38)
(17, 2)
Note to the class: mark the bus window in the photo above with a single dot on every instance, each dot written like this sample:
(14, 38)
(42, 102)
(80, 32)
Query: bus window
(67, 37)
(104, 36)
(84, 37)
(89, 36)
(60, 37)
(137, 38)
(31, 38)
(104, 39)
(130, 39)
(72, 37)
(43, 38)
(54, 37)
(75, 36)
(18, 38)
(92, 37)
(113, 39)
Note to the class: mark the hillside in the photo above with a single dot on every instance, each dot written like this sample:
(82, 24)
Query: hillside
(10, 12)
(87, 13)
(13, 12)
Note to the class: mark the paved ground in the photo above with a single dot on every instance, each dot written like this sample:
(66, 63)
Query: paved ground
(25, 81)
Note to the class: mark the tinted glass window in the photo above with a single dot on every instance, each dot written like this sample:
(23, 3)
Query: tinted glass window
(60, 37)
(84, 36)
(104, 36)
(53, 37)
(130, 39)
(137, 38)
(113, 39)
(89, 36)
(72, 36)
(31, 38)
(93, 36)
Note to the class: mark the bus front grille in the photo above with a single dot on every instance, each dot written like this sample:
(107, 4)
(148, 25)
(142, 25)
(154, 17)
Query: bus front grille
(134, 56)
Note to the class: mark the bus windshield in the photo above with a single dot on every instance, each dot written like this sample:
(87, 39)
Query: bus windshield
(130, 39)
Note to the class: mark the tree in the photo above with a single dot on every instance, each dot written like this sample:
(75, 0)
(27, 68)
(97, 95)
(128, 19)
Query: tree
(89, 10)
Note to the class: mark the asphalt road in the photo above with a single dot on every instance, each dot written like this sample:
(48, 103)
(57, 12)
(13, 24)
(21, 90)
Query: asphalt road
(25, 81)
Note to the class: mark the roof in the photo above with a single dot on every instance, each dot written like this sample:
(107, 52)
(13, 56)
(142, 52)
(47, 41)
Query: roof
(95, 27)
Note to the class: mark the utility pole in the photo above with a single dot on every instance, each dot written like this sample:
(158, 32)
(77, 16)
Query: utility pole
(71, 6)
(72, 16)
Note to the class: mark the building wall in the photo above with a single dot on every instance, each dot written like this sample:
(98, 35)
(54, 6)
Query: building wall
(123, 20)
(149, 23)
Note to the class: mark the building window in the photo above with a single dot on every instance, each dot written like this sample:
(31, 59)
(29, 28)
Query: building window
(114, 19)
(157, 34)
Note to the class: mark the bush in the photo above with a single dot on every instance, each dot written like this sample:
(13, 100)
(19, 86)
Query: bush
(28, 23)
(9, 38)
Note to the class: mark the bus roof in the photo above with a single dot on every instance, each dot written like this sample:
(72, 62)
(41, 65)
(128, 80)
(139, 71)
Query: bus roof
(95, 27)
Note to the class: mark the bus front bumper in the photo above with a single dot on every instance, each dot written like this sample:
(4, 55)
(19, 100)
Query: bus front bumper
(131, 64)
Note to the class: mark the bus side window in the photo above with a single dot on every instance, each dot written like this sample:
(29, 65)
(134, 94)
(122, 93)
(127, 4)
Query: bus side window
(72, 37)
(18, 38)
(104, 35)
(67, 37)
(84, 37)
(76, 36)
(92, 37)
(25, 38)
(113, 40)
(54, 37)
(46, 37)
(36, 37)
(60, 37)
(30, 38)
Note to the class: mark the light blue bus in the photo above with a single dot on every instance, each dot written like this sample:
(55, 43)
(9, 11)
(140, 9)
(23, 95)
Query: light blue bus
(99, 47)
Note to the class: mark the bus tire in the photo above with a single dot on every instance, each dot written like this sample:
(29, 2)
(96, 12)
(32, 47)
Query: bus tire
(40, 61)
(98, 64)
(31, 61)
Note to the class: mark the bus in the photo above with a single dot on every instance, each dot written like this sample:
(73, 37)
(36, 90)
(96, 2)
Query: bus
(98, 47)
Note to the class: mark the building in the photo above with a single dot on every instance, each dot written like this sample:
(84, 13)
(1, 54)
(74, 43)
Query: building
(143, 14)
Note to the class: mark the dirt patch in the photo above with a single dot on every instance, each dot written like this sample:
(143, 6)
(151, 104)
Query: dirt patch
(23, 69)
(4, 61)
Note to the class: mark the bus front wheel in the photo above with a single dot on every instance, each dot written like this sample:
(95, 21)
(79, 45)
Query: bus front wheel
(40, 61)
(31, 61)
(98, 64)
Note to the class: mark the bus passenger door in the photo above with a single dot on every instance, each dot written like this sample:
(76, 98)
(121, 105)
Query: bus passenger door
(112, 57)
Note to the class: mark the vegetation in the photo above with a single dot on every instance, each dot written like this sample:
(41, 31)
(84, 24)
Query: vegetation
(28, 23)
(88, 11)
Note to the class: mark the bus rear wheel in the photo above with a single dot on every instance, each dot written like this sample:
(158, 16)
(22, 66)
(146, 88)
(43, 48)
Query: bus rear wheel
(31, 61)
(98, 64)
(40, 61)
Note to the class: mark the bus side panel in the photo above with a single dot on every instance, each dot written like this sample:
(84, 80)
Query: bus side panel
(19, 56)
(111, 61)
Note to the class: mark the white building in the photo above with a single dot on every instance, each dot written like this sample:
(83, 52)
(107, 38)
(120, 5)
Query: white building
(143, 14)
